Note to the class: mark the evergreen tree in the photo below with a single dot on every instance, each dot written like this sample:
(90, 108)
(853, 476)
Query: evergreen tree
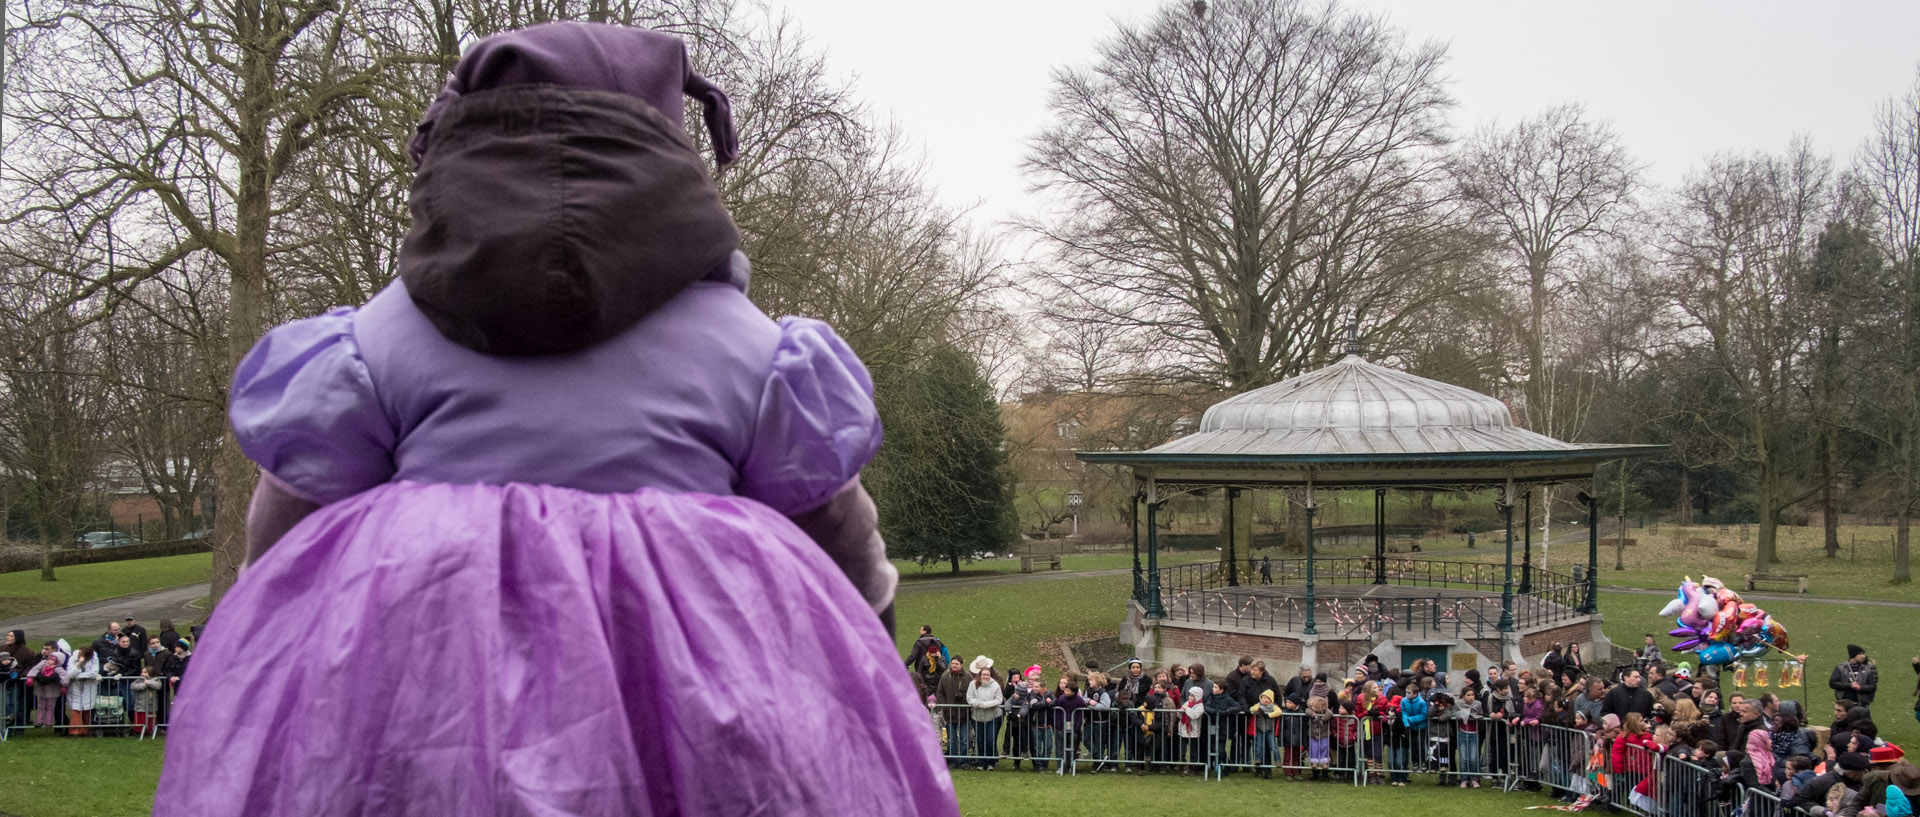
(941, 479)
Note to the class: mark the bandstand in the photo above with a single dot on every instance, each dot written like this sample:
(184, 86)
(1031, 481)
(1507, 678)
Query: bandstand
(1359, 425)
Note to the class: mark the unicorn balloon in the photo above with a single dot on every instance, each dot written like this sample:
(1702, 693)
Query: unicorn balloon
(1718, 626)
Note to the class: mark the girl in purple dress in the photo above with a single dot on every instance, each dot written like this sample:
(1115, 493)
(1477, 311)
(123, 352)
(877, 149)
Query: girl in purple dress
(564, 439)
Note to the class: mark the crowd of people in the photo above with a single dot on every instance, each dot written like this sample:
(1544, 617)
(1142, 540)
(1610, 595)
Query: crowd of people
(1578, 735)
(123, 682)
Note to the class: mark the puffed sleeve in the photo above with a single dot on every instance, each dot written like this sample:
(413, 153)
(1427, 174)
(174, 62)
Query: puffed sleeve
(817, 426)
(304, 409)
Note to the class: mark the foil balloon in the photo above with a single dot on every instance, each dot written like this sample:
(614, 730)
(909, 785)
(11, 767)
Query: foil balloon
(1718, 626)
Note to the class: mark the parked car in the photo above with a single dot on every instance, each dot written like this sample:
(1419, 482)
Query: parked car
(105, 539)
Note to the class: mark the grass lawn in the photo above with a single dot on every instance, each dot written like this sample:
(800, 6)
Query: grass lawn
(23, 593)
(1863, 569)
(911, 571)
(1007, 793)
(1016, 625)
(48, 776)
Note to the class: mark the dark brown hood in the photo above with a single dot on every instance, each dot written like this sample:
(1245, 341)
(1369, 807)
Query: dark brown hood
(548, 219)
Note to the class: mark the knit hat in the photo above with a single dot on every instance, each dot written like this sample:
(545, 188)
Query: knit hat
(1033, 671)
(1854, 762)
(1855, 651)
(1133, 661)
(651, 66)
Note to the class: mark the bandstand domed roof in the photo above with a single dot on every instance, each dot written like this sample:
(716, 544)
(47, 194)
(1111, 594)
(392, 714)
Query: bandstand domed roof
(1356, 423)
(1358, 407)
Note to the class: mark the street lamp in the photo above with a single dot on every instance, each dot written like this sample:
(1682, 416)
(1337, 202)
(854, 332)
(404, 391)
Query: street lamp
(1073, 501)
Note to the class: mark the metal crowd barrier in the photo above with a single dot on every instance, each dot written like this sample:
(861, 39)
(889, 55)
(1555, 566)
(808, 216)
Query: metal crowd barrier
(1760, 803)
(1358, 751)
(122, 705)
(1250, 742)
(1687, 790)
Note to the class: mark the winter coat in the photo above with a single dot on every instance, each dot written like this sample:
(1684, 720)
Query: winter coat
(45, 677)
(1814, 792)
(83, 683)
(951, 692)
(1132, 691)
(1099, 709)
(27, 656)
(1319, 725)
(1264, 719)
(1252, 687)
(1846, 675)
(146, 694)
(1066, 710)
(1413, 712)
(1623, 699)
(1633, 762)
(118, 662)
(1040, 709)
(1192, 714)
(1788, 744)
(1293, 723)
(1592, 708)
(985, 700)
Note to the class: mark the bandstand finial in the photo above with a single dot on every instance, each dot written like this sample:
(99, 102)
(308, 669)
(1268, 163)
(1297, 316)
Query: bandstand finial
(1353, 339)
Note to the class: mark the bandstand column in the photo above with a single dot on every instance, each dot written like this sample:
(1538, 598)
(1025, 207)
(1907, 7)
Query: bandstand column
(1233, 523)
(1379, 536)
(1311, 510)
(1593, 551)
(1506, 592)
(1526, 538)
(1154, 608)
(1134, 521)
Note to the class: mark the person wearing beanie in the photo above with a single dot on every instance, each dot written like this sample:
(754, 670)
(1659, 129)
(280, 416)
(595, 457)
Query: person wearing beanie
(1855, 680)
(563, 416)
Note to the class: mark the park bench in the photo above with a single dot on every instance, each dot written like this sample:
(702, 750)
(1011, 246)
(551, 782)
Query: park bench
(1026, 562)
(1799, 582)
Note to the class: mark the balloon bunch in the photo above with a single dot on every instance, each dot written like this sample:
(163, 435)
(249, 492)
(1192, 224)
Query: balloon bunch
(1718, 626)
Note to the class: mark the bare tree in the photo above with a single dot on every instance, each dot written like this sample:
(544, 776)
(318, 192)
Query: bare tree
(1549, 187)
(193, 117)
(51, 410)
(1242, 183)
(1890, 164)
(1737, 265)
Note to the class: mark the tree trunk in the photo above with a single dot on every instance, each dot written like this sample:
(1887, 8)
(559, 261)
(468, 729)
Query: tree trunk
(1296, 520)
(1902, 530)
(1764, 549)
(47, 539)
(246, 310)
(1830, 514)
(1686, 495)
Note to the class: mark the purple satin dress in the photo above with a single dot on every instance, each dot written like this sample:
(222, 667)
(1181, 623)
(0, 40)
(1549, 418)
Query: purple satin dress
(557, 585)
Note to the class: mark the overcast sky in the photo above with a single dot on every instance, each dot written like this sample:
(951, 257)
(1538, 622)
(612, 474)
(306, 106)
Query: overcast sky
(1679, 79)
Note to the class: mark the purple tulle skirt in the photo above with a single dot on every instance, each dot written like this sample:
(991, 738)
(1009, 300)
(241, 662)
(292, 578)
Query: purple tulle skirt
(529, 650)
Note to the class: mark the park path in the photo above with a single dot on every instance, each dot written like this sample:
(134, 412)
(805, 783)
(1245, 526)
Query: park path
(92, 617)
